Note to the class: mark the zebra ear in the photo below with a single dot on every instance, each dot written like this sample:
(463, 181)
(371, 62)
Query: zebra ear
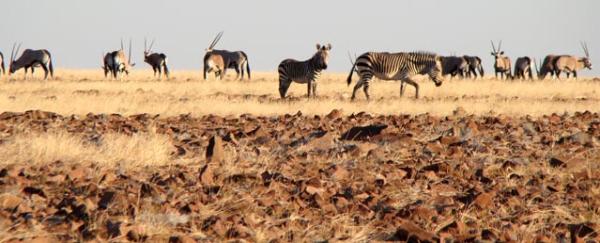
(318, 46)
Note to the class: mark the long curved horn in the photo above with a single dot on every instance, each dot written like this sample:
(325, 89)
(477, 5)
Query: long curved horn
(151, 45)
(12, 53)
(500, 46)
(129, 59)
(216, 40)
(18, 49)
(121, 43)
(145, 46)
(585, 49)
(493, 47)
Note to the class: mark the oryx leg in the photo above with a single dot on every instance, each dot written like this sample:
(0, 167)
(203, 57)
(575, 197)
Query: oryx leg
(159, 72)
(414, 84)
(45, 71)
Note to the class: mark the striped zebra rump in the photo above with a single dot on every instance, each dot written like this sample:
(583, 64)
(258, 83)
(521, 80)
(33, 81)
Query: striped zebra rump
(395, 66)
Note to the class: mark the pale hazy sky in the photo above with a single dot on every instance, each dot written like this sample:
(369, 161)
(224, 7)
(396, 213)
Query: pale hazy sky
(77, 32)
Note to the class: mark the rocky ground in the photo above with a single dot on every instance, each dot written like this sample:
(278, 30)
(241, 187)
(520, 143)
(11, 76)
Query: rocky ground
(314, 178)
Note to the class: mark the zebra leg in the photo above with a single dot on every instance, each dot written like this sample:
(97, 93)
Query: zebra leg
(357, 86)
(401, 88)
(414, 84)
(314, 89)
(284, 85)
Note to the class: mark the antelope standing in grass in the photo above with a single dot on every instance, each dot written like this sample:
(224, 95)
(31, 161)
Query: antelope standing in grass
(502, 63)
(548, 66)
(396, 66)
(303, 72)
(2, 63)
(474, 66)
(523, 68)
(453, 66)
(158, 61)
(117, 63)
(218, 61)
(30, 59)
(571, 64)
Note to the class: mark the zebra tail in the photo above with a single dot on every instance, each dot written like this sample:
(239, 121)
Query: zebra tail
(349, 80)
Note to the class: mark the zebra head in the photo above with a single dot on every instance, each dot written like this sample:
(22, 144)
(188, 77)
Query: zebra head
(436, 72)
(321, 58)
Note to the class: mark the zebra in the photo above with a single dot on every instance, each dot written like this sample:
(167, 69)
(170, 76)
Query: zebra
(238, 60)
(523, 68)
(474, 66)
(158, 61)
(30, 59)
(502, 63)
(401, 66)
(303, 71)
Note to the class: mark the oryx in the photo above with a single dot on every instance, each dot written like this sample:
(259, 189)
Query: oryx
(30, 59)
(571, 64)
(218, 61)
(502, 63)
(117, 63)
(158, 61)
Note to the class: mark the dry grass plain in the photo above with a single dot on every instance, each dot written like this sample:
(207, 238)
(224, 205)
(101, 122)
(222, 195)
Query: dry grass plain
(80, 92)
(80, 161)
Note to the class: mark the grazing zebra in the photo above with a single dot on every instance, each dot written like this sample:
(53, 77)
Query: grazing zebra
(303, 71)
(30, 59)
(548, 66)
(238, 60)
(396, 66)
(474, 66)
(117, 63)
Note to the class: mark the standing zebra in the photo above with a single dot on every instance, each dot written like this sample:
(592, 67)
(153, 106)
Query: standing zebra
(396, 66)
(303, 71)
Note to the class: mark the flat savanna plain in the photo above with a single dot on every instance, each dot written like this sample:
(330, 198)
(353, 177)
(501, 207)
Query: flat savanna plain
(85, 158)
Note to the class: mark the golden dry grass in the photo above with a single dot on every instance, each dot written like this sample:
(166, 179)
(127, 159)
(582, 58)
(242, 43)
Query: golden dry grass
(84, 91)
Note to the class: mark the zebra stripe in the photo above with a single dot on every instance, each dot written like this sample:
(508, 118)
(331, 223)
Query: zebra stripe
(303, 71)
(395, 66)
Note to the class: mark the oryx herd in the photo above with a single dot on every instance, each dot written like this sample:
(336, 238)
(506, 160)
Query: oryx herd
(401, 66)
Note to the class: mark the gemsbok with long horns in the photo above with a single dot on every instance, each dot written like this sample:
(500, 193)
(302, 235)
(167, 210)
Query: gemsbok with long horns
(502, 63)
(396, 66)
(218, 61)
(523, 68)
(548, 66)
(474, 66)
(303, 72)
(117, 63)
(158, 61)
(30, 59)
(571, 64)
